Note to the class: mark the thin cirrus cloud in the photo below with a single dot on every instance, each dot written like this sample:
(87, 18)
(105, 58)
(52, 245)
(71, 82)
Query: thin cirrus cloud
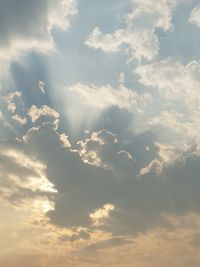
(93, 173)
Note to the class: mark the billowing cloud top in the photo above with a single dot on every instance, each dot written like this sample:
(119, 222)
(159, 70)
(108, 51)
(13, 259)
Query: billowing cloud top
(99, 136)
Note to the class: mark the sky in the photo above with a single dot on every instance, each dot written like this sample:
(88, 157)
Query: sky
(99, 133)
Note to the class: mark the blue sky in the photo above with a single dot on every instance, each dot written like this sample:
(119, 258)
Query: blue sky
(99, 137)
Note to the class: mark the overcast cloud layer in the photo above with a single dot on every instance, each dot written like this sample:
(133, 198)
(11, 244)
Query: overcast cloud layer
(100, 133)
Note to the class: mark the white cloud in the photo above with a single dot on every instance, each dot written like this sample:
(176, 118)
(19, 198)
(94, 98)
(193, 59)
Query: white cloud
(9, 99)
(195, 16)
(19, 119)
(139, 34)
(99, 216)
(106, 42)
(102, 149)
(41, 86)
(176, 95)
(155, 166)
(64, 140)
(60, 13)
(91, 149)
(35, 113)
(173, 79)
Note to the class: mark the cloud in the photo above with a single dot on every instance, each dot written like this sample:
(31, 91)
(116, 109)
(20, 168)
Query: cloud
(82, 234)
(9, 99)
(168, 75)
(90, 150)
(111, 177)
(84, 188)
(76, 169)
(35, 113)
(194, 16)
(107, 96)
(27, 25)
(137, 203)
(64, 140)
(154, 166)
(102, 149)
(19, 119)
(22, 178)
(85, 103)
(176, 245)
(41, 86)
(106, 42)
(157, 247)
(99, 216)
(175, 90)
(139, 34)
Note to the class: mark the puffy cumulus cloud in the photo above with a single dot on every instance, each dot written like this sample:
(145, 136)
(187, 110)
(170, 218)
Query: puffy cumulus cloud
(35, 113)
(106, 42)
(14, 104)
(194, 16)
(99, 216)
(60, 12)
(27, 25)
(169, 75)
(64, 140)
(139, 33)
(176, 94)
(10, 100)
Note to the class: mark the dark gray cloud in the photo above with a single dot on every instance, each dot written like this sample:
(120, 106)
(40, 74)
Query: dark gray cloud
(139, 202)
